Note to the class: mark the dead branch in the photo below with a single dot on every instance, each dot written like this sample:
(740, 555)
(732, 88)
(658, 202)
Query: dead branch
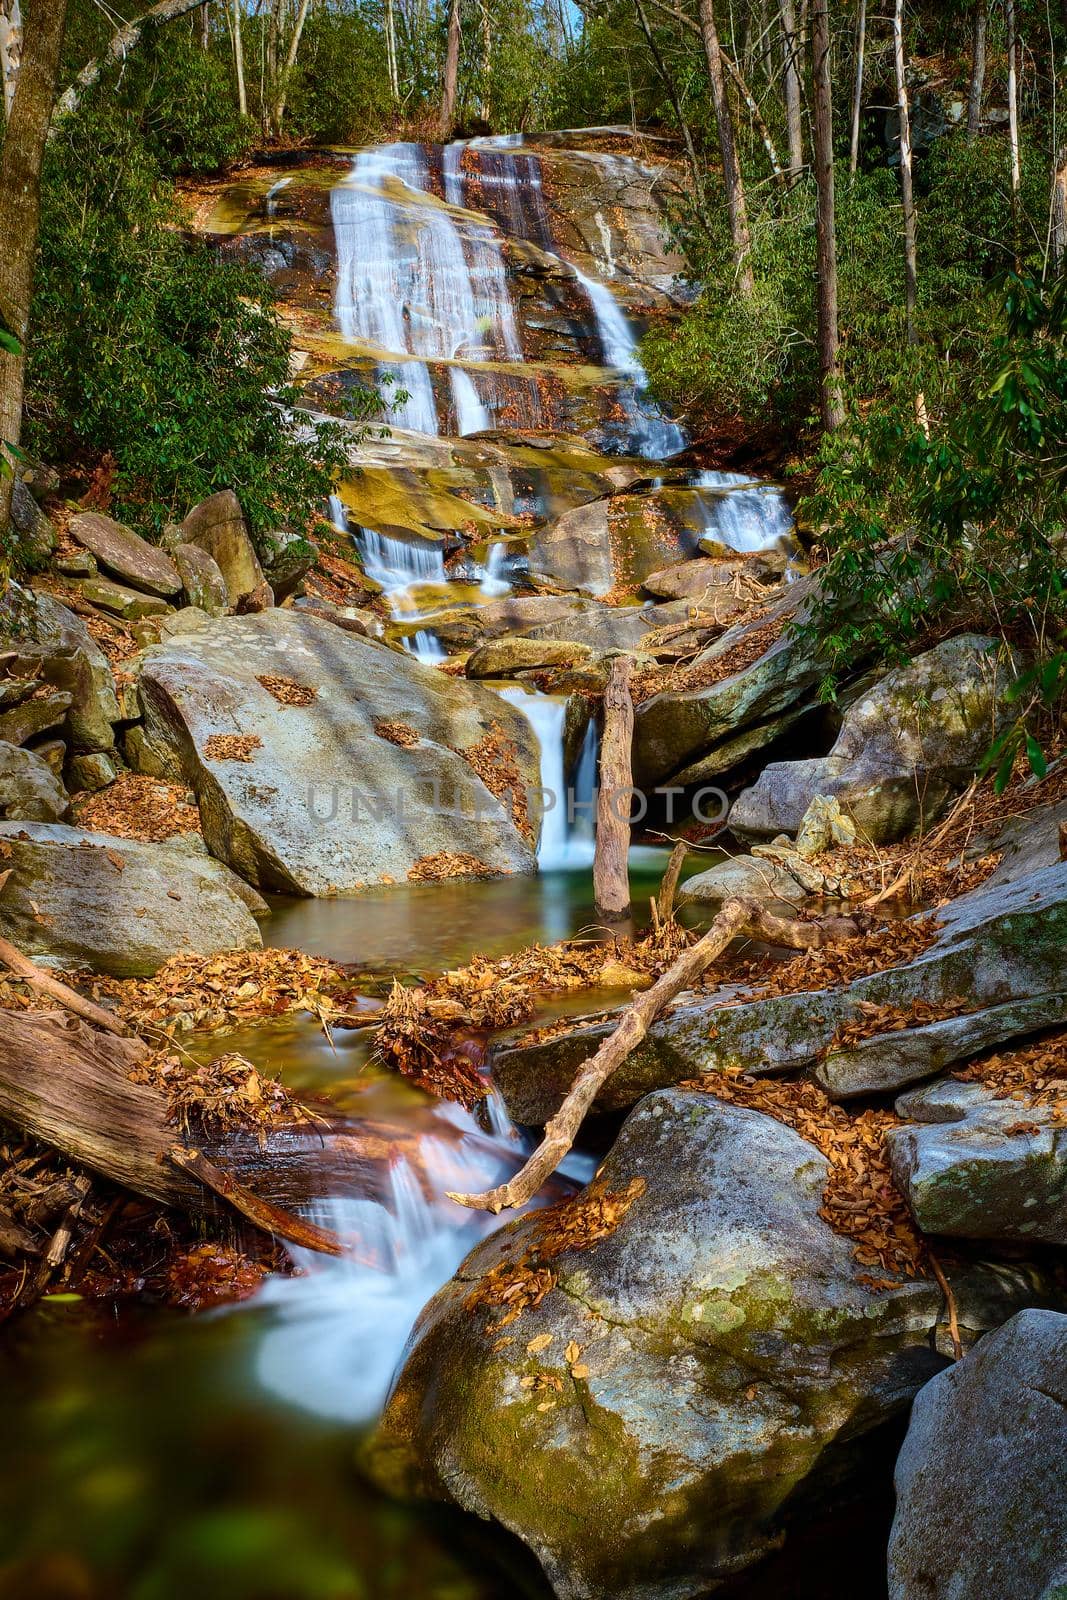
(26, 969)
(669, 887)
(611, 874)
(271, 1218)
(737, 916)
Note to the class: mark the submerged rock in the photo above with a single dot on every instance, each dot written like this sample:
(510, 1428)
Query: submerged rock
(981, 1491)
(644, 1428)
(996, 947)
(976, 1167)
(324, 762)
(119, 906)
(905, 748)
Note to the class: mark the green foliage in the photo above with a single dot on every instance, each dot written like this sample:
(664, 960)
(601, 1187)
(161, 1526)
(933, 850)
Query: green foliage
(155, 351)
(184, 104)
(339, 91)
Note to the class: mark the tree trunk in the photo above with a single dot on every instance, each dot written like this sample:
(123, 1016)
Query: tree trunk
(10, 48)
(757, 117)
(25, 137)
(696, 166)
(857, 94)
(450, 83)
(1058, 229)
(123, 41)
(390, 49)
(611, 859)
(1013, 126)
(731, 171)
(290, 63)
(831, 405)
(979, 28)
(791, 88)
(911, 273)
(239, 60)
(205, 25)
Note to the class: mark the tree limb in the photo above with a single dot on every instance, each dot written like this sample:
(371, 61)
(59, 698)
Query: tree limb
(24, 968)
(122, 42)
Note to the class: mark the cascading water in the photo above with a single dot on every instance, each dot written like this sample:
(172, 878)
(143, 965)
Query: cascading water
(743, 513)
(567, 832)
(493, 583)
(650, 433)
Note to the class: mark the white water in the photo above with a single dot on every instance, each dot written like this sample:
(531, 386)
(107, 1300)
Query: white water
(397, 564)
(493, 583)
(652, 435)
(567, 830)
(742, 513)
(334, 1337)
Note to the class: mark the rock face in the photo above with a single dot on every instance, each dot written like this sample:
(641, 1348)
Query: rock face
(981, 1492)
(49, 639)
(77, 899)
(129, 558)
(976, 1167)
(202, 580)
(904, 749)
(728, 1349)
(29, 789)
(997, 947)
(218, 526)
(311, 798)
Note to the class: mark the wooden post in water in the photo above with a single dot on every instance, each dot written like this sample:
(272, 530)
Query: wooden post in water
(611, 872)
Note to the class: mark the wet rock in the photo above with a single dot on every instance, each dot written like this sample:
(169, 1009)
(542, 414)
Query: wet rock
(43, 710)
(904, 749)
(976, 1167)
(286, 559)
(205, 587)
(981, 1499)
(36, 532)
(996, 947)
(218, 526)
(501, 657)
(121, 552)
(310, 798)
(889, 1061)
(77, 899)
(129, 604)
(725, 1341)
(29, 789)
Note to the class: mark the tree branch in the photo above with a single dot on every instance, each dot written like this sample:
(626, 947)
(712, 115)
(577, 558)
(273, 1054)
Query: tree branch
(122, 42)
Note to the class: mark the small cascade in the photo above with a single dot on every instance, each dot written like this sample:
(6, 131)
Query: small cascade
(567, 831)
(398, 564)
(651, 434)
(744, 514)
(493, 583)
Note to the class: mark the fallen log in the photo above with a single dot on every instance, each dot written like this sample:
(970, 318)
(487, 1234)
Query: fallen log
(30, 972)
(611, 869)
(736, 917)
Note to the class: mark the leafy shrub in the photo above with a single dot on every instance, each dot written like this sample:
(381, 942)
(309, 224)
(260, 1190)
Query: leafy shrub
(339, 90)
(184, 103)
(152, 349)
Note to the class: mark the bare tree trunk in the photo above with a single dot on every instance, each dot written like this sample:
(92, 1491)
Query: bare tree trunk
(1058, 229)
(696, 166)
(450, 84)
(390, 49)
(484, 107)
(290, 63)
(205, 25)
(239, 60)
(911, 272)
(791, 88)
(269, 76)
(123, 41)
(25, 137)
(611, 861)
(1013, 126)
(979, 28)
(857, 95)
(757, 117)
(10, 48)
(731, 171)
(830, 401)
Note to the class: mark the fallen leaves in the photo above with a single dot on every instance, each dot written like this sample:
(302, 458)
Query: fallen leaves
(1034, 1075)
(232, 746)
(875, 1019)
(136, 807)
(706, 671)
(285, 690)
(399, 733)
(836, 966)
(224, 1097)
(445, 864)
(494, 759)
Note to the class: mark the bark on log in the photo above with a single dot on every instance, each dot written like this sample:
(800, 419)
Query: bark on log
(611, 872)
(28, 970)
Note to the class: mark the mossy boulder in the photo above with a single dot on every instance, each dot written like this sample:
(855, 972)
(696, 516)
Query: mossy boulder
(48, 640)
(644, 1428)
(28, 786)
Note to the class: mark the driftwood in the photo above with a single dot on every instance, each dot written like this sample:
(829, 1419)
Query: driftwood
(70, 1087)
(28, 970)
(265, 1215)
(611, 875)
(664, 902)
(737, 916)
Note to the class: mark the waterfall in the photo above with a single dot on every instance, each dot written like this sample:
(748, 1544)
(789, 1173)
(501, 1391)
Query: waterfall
(397, 564)
(567, 832)
(652, 435)
(743, 513)
(493, 582)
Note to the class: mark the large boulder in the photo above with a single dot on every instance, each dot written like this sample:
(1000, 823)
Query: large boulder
(557, 616)
(981, 1490)
(29, 789)
(996, 947)
(314, 754)
(975, 1167)
(36, 532)
(717, 1354)
(286, 558)
(129, 558)
(48, 639)
(79, 899)
(205, 587)
(218, 526)
(904, 749)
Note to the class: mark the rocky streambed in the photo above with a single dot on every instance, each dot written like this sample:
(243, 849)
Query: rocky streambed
(825, 1185)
